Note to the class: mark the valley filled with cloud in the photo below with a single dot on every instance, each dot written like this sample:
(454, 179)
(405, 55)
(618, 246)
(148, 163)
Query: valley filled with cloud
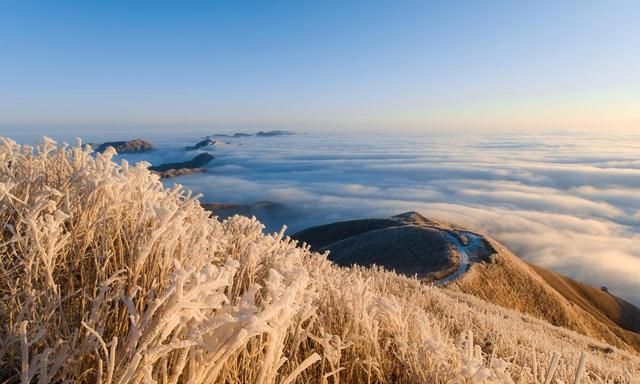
(568, 202)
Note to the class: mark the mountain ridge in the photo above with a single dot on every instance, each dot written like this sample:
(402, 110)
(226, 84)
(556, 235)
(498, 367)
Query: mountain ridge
(496, 274)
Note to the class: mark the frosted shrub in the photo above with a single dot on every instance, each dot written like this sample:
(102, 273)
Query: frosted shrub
(106, 276)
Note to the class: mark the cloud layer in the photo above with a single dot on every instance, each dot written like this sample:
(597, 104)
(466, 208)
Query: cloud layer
(570, 203)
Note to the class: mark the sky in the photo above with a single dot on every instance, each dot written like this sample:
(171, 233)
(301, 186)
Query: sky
(361, 66)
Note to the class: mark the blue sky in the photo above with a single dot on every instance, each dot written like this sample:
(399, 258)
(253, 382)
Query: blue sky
(374, 65)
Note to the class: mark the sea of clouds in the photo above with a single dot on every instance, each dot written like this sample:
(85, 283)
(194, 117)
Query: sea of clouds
(568, 202)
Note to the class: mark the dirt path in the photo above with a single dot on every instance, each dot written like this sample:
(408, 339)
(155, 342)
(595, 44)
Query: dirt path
(466, 252)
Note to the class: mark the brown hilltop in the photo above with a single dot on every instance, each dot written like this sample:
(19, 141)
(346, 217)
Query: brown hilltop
(414, 245)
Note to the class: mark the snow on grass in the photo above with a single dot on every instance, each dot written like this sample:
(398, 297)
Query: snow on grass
(106, 276)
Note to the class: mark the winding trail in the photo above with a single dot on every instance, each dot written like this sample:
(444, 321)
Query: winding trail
(467, 253)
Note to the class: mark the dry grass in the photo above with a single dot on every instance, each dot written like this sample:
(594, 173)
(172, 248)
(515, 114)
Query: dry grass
(106, 276)
(510, 282)
(620, 316)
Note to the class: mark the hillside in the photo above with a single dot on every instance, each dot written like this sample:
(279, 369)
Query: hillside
(494, 274)
(603, 306)
(109, 277)
(508, 281)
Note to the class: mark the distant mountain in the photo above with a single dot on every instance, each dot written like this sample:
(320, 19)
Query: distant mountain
(203, 144)
(472, 263)
(184, 167)
(273, 133)
(259, 134)
(131, 146)
(236, 135)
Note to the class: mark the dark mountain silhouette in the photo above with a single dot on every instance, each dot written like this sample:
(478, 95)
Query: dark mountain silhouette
(183, 167)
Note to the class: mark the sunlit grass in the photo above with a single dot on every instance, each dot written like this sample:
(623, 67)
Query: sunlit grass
(108, 277)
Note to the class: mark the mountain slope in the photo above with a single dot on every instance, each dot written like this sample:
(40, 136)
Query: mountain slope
(510, 282)
(596, 301)
(622, 318)
(494, 274)
(109, 277)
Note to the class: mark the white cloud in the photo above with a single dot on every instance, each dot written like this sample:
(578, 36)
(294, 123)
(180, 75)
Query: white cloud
(568, 203)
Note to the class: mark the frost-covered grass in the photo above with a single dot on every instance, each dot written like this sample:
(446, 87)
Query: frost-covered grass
(108, 277)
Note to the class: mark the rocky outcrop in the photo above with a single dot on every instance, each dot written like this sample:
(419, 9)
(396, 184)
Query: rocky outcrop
(194, 165)
(131, 146)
